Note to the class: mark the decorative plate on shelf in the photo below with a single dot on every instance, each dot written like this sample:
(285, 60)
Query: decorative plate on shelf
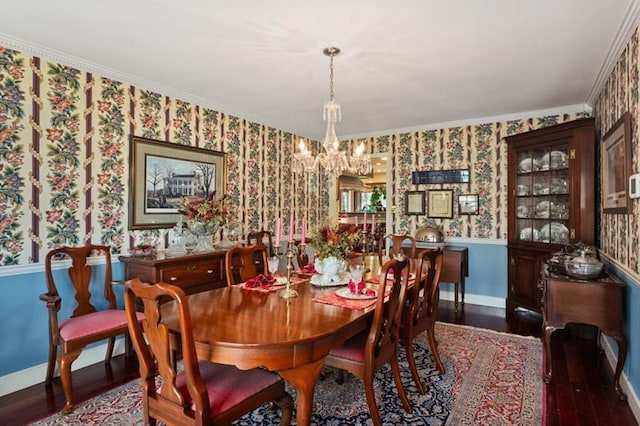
(526, 165)
(345, 293)
(529, 234)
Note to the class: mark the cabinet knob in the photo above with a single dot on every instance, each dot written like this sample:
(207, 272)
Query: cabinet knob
(173, 279)
(209, 271)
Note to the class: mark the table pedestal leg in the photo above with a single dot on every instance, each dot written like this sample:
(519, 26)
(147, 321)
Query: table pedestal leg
(303, 378)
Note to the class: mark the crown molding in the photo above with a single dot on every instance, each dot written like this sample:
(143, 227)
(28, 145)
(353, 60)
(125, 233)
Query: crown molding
(56, 56)
(568, 109)
(620, 41)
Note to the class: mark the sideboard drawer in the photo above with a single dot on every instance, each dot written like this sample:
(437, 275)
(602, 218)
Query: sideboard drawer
(191, 274)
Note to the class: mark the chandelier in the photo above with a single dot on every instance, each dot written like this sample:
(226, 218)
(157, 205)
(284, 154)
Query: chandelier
(333, 160)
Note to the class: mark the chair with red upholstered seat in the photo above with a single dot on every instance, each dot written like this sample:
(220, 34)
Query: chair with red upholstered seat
(365, 353)
(93, 319)
(205, 393)
(421, 309)
(243, 263)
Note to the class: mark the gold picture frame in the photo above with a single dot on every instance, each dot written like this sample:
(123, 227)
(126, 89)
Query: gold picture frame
(616, 166)
(440, 203)
(161, 173)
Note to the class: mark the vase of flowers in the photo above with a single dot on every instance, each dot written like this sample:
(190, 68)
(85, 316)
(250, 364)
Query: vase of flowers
(204, 218)
(332, 245)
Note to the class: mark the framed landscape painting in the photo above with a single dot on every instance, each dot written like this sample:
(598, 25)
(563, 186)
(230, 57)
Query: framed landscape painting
(162, 173)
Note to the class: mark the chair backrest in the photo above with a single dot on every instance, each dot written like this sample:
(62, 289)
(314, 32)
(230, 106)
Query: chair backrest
(81, 275)
(155, 353)
(243, 263)
(385, 325)
(261, 237)
(400, 244)
(428, 270)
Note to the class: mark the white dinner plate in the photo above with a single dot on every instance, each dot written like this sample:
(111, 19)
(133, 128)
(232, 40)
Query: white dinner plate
(345, 293)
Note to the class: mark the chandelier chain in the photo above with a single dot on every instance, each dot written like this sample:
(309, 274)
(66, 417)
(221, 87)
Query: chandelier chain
(331, 96)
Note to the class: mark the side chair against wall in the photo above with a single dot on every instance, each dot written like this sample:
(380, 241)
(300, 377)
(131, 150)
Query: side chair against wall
(365, 353)
(243, 263)
(205, 393)
(261, 237)
(397, 241)
(421, 309)
(93, 319)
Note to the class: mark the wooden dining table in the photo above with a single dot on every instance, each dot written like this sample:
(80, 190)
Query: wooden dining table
(248, 329)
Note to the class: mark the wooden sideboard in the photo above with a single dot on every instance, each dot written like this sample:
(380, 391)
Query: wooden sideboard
(455, 267)
(596, 302)
(193, 273)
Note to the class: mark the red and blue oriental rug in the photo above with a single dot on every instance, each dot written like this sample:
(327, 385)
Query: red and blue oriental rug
(492, 379)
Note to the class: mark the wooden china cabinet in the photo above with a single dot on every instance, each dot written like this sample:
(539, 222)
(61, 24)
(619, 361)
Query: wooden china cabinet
(551, 202)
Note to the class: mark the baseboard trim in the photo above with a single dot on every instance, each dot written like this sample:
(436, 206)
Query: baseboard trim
(33, 375)
(612, 359)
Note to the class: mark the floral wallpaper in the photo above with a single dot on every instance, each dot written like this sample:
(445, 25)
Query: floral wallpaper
(64, 149)
(64, 160)
(620, 233)
(480, 148)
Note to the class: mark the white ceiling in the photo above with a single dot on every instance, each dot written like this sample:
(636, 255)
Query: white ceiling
(405, 63)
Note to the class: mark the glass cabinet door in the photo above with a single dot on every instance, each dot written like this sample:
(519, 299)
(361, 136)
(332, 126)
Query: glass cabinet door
(542, 195)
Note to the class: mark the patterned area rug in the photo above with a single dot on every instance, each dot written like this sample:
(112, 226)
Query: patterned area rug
(492, 379)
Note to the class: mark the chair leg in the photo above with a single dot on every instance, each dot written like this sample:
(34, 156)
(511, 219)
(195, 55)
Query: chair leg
(371, 401)
(434, 349)
(51, 364)
(395, 368)
(110, 345)
(412, 366)
(286, 409)
(65, 361)
(340, 378)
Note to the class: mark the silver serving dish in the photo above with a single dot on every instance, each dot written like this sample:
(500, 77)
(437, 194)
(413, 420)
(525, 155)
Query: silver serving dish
(583, 267)
(429, 234)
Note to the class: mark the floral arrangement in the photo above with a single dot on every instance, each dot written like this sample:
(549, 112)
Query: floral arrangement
(335, 240)
(204, 210)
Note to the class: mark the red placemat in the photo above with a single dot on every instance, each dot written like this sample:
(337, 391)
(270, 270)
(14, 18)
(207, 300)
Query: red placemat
(376, 279)
(276, 287)
(333, 299)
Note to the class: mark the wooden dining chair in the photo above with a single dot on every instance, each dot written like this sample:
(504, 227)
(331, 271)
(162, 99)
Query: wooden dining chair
(204, 393)
(94, 317)
(261, 237)
(365, 353)
(243, 263)
(421, 309)
(396, 247)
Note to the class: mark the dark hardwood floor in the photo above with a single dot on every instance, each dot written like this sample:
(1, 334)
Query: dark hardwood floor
(581, 392)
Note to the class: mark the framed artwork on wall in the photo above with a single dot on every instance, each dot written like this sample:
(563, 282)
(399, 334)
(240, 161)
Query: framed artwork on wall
(162, 173)
(468, 204)
(440, 203)
(414, 202)
(616, 166)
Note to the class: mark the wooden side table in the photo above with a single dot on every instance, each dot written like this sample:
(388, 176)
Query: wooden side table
(455, 268)
(595, 302)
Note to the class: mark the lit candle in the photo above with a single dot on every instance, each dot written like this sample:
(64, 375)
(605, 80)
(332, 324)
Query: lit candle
(278, 231)
(373, 224)
(291, 228)
(304, 230)
(364, 225)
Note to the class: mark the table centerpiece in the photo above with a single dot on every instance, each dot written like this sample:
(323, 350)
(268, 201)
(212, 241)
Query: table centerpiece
(332, 246)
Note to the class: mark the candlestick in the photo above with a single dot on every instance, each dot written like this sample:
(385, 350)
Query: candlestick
(304, 230)
(288, 292)
(373, 224)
